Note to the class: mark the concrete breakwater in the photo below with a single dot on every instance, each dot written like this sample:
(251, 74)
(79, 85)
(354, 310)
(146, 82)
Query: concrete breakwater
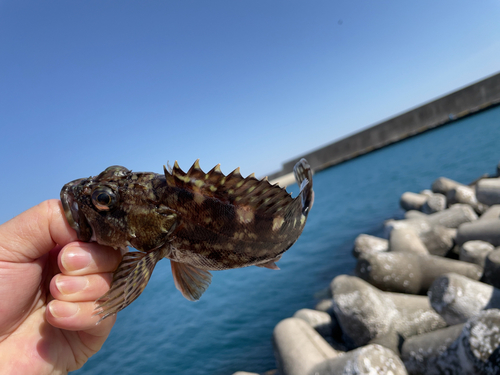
(459, 104)
(425, 299)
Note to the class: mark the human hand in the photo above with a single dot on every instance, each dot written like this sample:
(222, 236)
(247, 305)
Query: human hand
(48, 285)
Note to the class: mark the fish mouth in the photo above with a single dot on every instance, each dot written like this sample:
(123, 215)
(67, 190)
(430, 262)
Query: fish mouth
(75, 217)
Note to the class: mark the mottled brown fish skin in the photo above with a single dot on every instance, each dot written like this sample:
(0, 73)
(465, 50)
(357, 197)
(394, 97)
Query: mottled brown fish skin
(200, 221)
(219, 232)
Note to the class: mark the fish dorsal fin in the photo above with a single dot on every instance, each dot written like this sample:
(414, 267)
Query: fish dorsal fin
(233, 188)
(169, 176)
(195, 172)
(190, 281)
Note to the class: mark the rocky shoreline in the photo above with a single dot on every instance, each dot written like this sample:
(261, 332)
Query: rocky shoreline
(424, 299)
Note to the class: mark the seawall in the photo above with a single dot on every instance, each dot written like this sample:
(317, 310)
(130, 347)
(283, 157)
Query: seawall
(463, 102)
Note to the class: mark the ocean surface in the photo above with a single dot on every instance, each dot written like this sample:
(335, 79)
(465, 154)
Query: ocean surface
(230, 328)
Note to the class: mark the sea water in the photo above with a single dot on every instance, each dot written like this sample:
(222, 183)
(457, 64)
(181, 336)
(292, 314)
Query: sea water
(230, 328)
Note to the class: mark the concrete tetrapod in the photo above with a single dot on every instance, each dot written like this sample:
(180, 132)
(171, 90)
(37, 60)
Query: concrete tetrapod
(410, 273)
(491, 213)
(492, 268)
(457, 298)
(454, 216)
(413, 214)
(319, 320)
(368, 315)
(324, 305)
(435, 203)
(443, 185)
(368, 360)
(298, 348)
(326, 324)
(466, 195)
(412, 201)
(485, 230)
(472, 348)
(437, 239)
(427, 192)
(405, 240)
(488, 191)
(475, 252)
(365, 243)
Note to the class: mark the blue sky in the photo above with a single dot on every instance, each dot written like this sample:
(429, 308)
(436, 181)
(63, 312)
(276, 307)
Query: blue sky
(88, 84)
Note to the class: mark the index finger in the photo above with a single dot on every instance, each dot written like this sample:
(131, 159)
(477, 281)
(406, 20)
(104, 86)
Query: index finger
(35, 232)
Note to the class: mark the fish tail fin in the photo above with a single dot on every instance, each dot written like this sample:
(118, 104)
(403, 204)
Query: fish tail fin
(303, 175)
(129, 281)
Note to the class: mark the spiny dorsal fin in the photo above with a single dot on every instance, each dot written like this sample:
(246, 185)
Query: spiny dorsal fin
(169, 176)
(195, 171)
(233, 188)
(235, 174)
(215, 170)
(176, 170)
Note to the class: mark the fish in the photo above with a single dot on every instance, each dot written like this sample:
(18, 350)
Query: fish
(200, 221)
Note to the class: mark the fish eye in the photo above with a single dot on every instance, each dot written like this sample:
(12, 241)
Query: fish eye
(103, 198)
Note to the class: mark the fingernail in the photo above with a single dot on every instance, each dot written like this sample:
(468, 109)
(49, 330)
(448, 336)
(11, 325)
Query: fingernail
(71, 284)
(75, 259)
(60, 309)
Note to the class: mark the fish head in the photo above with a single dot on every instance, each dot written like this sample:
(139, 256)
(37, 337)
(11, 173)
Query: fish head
(93, 206)
(112, 207)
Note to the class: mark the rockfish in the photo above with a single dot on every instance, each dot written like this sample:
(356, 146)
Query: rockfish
(199, 221)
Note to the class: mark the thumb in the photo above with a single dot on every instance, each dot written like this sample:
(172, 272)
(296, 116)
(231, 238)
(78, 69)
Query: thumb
(35, 232)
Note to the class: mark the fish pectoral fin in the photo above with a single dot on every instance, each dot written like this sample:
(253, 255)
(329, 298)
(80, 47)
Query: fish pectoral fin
(129, 280)
(191, 281)
(270, 264)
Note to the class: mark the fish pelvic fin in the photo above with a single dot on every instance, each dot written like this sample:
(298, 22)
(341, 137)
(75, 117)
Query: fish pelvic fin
(191, 281)
(129, 281)
(303, 176)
